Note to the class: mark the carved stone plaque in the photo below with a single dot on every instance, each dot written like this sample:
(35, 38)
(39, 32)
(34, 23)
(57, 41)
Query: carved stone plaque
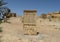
(29, 22)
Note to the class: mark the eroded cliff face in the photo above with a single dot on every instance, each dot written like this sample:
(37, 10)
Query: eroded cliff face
(49, 31)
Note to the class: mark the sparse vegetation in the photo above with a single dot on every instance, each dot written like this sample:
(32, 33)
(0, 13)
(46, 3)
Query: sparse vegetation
(0, 29)
(0, 38)
(0, 21)
(57, 28)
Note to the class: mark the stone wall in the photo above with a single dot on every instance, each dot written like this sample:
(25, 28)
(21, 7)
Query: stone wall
(54, 16)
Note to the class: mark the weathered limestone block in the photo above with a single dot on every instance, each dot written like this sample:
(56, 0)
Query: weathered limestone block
(29, 22)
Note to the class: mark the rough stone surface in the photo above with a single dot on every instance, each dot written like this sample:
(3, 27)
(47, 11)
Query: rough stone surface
(49, 31)
(29, 22)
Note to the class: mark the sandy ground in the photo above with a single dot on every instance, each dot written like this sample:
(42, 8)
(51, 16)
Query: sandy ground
(49, 31)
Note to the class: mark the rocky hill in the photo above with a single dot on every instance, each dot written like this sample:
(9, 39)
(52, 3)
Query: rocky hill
(49, 31)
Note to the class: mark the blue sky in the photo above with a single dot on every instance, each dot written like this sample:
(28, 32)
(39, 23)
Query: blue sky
(42, 6)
